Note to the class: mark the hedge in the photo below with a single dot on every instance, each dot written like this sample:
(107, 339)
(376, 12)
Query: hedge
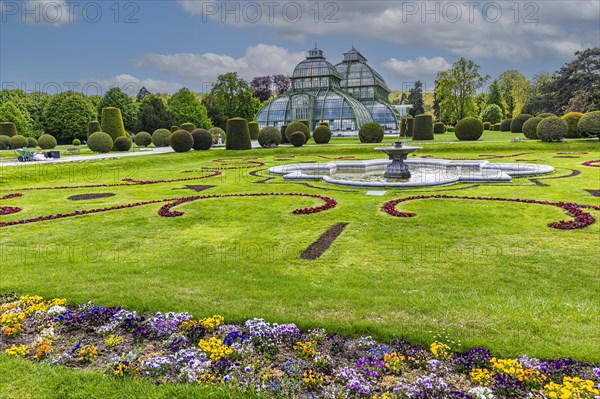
(8, 129)
(190, 127)
(530, 127)
(284, 138)
(253, 129)
(18, 141)
(93, 127)
(181, 141)
(544, 115)
(516, 126)
(174, 129)
(123, 144)
(423, 127)
(112, 123)
(238, 134)
(371, 132)
(407, 122)
(203, 140)
(100, 142)
(161, 137)
(439, 128)
(487, 126)
(31, 142)
(505, 125)
(269, 137)
(322, 134)
(4, 142)
(47, 142)
(552, 128)
(469, 129)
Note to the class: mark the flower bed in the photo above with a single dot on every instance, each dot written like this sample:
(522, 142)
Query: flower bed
(277, 360)
(8, 210)
(595, 163)
(582, 219)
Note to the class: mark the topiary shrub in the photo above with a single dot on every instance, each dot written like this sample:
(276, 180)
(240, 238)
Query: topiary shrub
(190, 127)
(305, 122)
(182, 141)
(269, 137)
(93, 127)
(112, 123)
(297, 127)
(545, 115)
(468, 129)
(497, 127)
(203, 140)
(297, 138)
(552, 128)
(487, 126)
(450, 129)
(215, 132)
(439, 128)
(423, 127)
(18, 141)
(284, 139)
(100, 142)
(407, 125)
(174, 129)
(143, 139)
(516, 126)
(76, 142)
(370, 132)
(4, 142)
(238, 135)
(47, 142)
(589, 124)
(324, 124)
(530, 127)
(322, 134)
(31, 142)
(253, 129)
(123, 144)
(505, 125)
(161, 137)
(8, 129)
(572, 119)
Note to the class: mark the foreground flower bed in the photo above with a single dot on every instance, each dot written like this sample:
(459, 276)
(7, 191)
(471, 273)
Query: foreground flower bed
(275, 360)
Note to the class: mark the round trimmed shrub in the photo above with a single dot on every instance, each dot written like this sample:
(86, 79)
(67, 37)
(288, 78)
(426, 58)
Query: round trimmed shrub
(4, 142)
(589, 124)
(93, 127)
(100, 142)
(18, 141)
(505, 125)
(487, 126)
(516, 126)
(407, 129)
(253, 129)
(322, 134)
(123, 144)
(182, 141)
(143, 139)
(190, 127)
(215, 131)
(31, 142)
(439, 128)
(76, 142)
(545, 115)
(552, 128)
(572, 119)
(423, 127)
(468, 129)
(284, 139)
(8, 129)
(370, 132)
(297, 127)
(203, 140)
(112, 123)
(238, 134)
(497, 127)
(269, 137)
(174, 129)
(47, 142)
(297, 138)
(161, 137)
(530, 127)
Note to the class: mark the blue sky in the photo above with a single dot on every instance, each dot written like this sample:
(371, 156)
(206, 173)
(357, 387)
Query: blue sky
(165, 45)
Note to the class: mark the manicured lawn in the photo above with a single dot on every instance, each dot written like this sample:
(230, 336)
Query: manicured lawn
(488, 273)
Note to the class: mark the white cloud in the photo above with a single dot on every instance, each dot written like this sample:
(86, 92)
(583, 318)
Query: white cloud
(129, 84)
(421, 68)
(202, 69)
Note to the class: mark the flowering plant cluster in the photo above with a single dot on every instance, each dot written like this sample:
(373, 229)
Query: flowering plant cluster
(277, 360)
(582, 218)
(594, 163)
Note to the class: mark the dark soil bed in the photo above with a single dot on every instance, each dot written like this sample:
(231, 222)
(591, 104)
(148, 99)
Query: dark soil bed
(82, 197)
(317, 248)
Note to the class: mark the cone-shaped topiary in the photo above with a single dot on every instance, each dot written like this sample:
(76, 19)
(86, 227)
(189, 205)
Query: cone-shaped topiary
(544, 115)
(297, 127)
(190, 127)
(215, 132)
(203, 140)
(238, 135)
(324, 124)
(253, 129)
(269, 137)
(18, 141)
(161, 137)
(112, 123)
(4, 142)
(8, 129)
(47, 142)
(439, 127)
(31, 142)
(123, 144)
(100, 142)
(93, 127)
(407, 126)
(468, 129)
(174, 129)
(322, 134)
(589, 124)
(284, 138)
(182, 141)
(423, 127)
(297, 138)
(552, 128)
(572, 119)
(505, 125)
(143, 139)
(516, 126)
(487, 126)
(371, 132)
(530, 127)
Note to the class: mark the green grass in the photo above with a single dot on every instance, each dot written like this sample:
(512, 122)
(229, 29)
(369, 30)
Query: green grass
(498, 277)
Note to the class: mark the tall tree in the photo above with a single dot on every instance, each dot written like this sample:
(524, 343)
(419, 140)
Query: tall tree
(9, 112)
(185, 107)
(116, 98)
(579, 75)
(506, 81)
(262, 86)
(214, 109)
(143, 92)
(522, 91)
(67, 115)
(436, 103)
(415, 97)
(154, 114)
(495, 97)
(281, 84)
(235, 95)
(481, 100)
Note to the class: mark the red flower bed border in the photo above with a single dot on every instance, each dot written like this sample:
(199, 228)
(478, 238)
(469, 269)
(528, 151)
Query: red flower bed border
(8, 210)
(582, 219)
(491, 156)
(593, 163)
(165, 210)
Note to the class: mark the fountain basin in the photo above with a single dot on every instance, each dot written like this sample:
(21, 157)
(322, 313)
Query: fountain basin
(397, 169)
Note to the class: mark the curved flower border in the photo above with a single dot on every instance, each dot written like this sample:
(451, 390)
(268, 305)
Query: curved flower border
(582, 219)
(593, 163)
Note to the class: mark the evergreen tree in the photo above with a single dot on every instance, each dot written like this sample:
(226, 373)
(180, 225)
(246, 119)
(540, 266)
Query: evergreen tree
(415, 97)
(154, 114)
(495, 97)
(116, 98)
